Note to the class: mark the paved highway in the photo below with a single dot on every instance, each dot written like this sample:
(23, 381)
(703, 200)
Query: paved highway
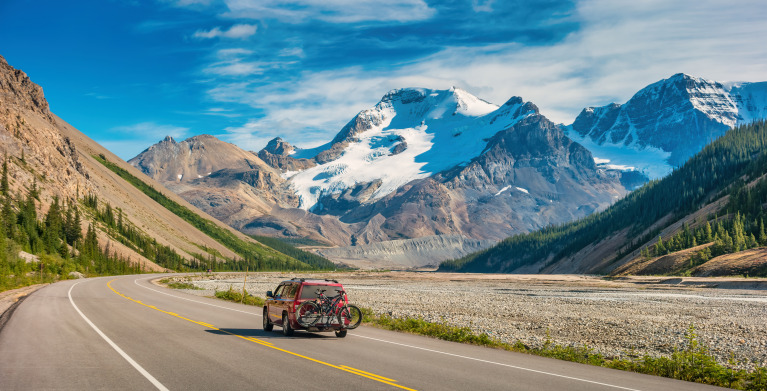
(126, 333)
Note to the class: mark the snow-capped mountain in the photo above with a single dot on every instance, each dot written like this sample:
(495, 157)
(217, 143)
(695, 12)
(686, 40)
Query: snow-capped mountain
(410, 134)
(431, 162)
(665, 123)
(419, 164)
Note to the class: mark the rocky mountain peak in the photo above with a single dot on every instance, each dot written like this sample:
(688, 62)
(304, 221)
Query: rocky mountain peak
(194, 158)
(16, 89)
(278, 146)
(203, 137)
(514, 100)
(668, 121)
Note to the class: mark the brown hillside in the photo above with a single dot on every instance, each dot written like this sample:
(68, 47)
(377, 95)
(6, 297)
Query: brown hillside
(667, 264)
(43, 148)
(734, 264)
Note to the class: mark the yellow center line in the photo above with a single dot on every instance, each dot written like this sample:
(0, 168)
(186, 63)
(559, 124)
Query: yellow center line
(344, 368)
(367, 373)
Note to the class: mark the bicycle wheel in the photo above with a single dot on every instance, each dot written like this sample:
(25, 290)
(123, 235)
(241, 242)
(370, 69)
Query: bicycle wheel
(308, 314)
(350, 316)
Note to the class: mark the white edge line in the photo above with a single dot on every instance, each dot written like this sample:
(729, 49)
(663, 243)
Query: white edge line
(187, 299)
(496, 363)
(127, 358)
(416, 347)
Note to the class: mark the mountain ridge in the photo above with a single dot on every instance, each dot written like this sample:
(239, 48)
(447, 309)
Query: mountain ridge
(420, 163)
(669, 120)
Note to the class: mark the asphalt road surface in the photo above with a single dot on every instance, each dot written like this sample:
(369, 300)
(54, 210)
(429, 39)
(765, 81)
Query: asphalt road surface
(125, 333)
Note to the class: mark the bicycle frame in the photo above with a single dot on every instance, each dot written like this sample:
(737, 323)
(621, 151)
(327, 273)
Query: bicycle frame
(329, 306)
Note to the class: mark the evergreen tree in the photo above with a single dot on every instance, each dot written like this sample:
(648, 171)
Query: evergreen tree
(660, 249)
(4, 186)
(8, 216)
(53, 231)
(752, 241)
(709, 235)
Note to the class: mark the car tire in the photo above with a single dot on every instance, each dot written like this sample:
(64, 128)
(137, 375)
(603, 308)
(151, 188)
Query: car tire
(286, 329)
(268, 326)
(341, 333)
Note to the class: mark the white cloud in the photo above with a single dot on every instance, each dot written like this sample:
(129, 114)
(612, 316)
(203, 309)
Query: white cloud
(335, 11)
(292, 52)
(221, 112)
(150, 130)
(254, 134)
(482, 5)
(238, 31)
(236, 68)
(233, 53)
(620, 48)
(128, 141)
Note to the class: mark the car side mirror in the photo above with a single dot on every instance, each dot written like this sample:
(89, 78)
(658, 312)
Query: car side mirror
(269, 294)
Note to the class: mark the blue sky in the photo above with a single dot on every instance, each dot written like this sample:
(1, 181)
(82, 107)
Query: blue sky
(128, 73)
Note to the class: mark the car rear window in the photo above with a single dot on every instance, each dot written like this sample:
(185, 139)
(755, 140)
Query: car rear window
(310, 291)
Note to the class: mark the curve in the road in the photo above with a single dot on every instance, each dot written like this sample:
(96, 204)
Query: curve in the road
(114, 346)
(53, 342)
(267, 344)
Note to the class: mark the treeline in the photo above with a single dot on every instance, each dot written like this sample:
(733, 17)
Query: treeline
(119, 228)
(55, 240)
(301, 255)
(727, 234)
(740, 153)
(252, 255)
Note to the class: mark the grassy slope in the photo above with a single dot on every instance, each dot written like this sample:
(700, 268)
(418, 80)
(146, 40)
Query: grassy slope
(269, 258)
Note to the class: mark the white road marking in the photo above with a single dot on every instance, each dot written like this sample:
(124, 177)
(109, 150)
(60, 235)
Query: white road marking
(420, 348)
(127, 358)
(195, 301)
(495, 363)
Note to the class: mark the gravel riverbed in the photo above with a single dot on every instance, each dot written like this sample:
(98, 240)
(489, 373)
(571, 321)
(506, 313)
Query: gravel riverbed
(633, 317)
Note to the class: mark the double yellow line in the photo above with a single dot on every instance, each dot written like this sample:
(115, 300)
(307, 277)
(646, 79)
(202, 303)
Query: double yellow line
(267, 344)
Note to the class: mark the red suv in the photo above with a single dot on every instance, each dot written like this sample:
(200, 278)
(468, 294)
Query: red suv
(312, 305)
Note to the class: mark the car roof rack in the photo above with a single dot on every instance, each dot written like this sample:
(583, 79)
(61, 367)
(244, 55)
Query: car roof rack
(304, 279)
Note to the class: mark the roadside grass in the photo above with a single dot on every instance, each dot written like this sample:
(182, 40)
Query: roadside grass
(235, 295)
(694, 363)
(179, 284)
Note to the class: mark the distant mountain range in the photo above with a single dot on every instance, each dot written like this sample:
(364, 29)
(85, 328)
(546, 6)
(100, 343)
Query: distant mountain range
(706, 218)
(667, 122)
(421, 163)
(427, 163)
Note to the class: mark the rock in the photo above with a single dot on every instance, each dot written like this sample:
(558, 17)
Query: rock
(28, 258)
(76, 275)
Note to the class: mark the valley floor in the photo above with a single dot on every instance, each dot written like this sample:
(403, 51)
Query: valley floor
(624, 317)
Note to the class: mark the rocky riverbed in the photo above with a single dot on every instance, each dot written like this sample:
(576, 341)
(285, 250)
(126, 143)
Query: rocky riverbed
(619, 318)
